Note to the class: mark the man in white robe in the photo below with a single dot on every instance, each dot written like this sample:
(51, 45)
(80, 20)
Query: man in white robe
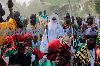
(53, 31)
(97, 20)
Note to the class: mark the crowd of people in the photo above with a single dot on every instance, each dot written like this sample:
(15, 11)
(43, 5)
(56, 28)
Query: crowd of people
(43, 40)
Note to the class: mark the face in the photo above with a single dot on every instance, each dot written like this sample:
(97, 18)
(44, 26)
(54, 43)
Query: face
(90, 41)
(54, 20)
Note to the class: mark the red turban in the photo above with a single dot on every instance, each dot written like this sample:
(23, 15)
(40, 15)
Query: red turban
(20, 38)
(27, 38)
(27, 35)
(53, 46)
(38, 53)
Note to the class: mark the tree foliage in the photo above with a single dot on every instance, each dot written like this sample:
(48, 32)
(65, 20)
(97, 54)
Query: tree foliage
(97, 6)
(76, 7)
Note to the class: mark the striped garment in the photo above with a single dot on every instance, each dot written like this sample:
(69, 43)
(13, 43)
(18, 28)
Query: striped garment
(83, 54)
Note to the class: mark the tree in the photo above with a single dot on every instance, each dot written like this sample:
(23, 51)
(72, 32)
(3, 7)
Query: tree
(97, 6)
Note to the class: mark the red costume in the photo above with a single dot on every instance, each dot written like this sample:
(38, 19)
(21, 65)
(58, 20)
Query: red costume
(52, 49)
(28, 39)
(58, 52)
(8, 40)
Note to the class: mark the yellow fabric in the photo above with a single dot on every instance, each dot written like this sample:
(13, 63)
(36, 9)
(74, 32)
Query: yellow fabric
(11, 24)
(5, 26)
(2, 39)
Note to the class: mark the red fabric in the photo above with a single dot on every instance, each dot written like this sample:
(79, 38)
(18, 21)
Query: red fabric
(67, 65)
(20, 38)
(8, 40)
(95, 54)
(27, 44)
(85, 37)
(27, 35)
(14, 47)
(54, 45)
(52, 57)
(39, 53)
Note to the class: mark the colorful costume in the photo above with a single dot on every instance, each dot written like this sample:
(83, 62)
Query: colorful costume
(58, 54)
(97, 51)
(82, 55)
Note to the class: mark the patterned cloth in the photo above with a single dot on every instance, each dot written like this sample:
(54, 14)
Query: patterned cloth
(47, 63)
(98, 40)
(83, 54)
(2, 62)
(68, 31)
(9, 52)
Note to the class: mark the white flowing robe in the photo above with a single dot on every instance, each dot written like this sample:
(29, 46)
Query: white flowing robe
(54, 31)
(98, 22)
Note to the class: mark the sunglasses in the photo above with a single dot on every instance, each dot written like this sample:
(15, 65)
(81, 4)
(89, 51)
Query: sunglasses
(54, 18)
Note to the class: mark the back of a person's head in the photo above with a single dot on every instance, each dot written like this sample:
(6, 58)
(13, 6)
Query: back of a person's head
(0, 5)
(2, 13)
(91, 41)
(90, 20)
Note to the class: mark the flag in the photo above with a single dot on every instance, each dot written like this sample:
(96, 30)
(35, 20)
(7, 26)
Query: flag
(83, 54)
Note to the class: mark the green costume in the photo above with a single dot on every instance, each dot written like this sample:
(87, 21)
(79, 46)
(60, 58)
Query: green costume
(98, 40)
(47, 63)
(9, 52)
